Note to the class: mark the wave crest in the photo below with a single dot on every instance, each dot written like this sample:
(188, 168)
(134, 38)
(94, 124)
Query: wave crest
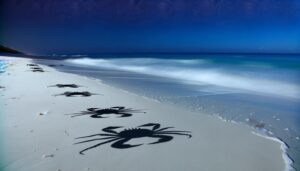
(198, 72)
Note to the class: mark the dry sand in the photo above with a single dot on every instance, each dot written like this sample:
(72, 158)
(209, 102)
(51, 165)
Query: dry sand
(38, 136)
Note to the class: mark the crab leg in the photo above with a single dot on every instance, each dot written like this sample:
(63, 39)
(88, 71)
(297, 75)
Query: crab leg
(120, 144)
(125, 115)
(96, 135)
(133, 111)
(95, 140)
(83, 112)
(155, 125)
(175, 134)
(164, 128)
(110, 129)
(97, 116)
(175, 131)
(77, 114)
(94, 146)
(118, 107)
(162, 138)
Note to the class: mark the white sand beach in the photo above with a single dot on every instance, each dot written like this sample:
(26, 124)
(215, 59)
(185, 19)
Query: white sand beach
(37, 135)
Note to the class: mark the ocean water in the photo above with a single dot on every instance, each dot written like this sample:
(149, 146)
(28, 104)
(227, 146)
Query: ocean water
(260, 91)
(3, 65)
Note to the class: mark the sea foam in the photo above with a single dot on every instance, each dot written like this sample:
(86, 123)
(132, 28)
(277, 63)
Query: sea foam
(198, 72)
(287, 160)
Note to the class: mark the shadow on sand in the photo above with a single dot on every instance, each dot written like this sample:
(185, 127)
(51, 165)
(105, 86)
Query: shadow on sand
(75, 93)
(121, 111)
(65, 86)
(33, 65)
(35, 68)
(120, 139)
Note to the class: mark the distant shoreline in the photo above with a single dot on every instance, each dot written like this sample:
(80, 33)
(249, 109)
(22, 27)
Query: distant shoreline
(155, 55)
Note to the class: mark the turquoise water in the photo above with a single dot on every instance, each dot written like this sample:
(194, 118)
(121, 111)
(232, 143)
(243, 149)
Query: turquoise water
(3, 65)
(261, 91)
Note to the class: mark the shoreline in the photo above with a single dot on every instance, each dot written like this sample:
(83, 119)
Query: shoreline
(287, 159)
(262, 132)
(284, 147)
(214, 120)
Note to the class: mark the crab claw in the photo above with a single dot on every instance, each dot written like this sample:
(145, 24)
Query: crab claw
(113, 127)
(110, 129)
(118, 107)
(92, 109)
(155, 125)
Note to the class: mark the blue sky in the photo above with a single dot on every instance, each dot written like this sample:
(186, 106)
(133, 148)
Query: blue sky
(107, 26)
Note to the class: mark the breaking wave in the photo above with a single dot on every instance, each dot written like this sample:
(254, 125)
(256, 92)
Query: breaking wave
(3, 66)
(199, 72)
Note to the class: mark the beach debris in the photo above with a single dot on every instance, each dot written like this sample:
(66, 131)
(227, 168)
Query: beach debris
(71, 94)
(44, 113)
(48, 156)
(118, 139)
(1, 87)
(297, 138)
(65, 86)
(99, 112)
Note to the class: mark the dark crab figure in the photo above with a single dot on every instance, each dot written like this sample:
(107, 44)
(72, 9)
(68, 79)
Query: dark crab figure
(119, 139)
(33, 68)
(116, 110)
(37, 70)
(65, 85)
(71, 94)
(33, 65)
